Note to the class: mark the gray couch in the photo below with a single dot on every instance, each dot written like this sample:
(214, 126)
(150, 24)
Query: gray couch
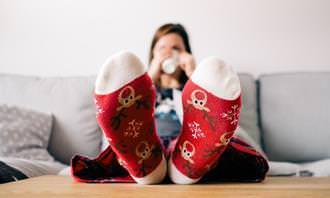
(287, 114)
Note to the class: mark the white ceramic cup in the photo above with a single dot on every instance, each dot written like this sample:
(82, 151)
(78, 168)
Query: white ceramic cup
(170, 64)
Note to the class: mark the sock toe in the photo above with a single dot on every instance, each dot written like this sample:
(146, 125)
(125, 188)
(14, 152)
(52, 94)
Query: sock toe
(118, 70)
(218, 78)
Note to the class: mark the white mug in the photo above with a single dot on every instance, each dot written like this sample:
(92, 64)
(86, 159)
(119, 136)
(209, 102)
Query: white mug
(170, 64)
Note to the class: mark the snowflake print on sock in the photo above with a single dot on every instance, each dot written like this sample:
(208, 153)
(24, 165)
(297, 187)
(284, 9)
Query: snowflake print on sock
(133, 128)
(232, 115)
(196, 131)
(99, 109)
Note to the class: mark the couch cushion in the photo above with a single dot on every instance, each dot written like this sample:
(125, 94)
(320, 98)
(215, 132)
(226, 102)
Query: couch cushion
(249, 116)
(295, 116)
(69, 99)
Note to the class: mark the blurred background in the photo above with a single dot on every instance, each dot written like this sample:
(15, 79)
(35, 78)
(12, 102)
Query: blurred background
(74, 37)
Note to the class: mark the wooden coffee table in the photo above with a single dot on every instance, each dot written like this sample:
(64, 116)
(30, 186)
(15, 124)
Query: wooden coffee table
(61, 186)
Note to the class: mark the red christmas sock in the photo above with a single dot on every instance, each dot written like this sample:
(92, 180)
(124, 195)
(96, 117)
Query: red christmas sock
(125, 98)
(211, 106)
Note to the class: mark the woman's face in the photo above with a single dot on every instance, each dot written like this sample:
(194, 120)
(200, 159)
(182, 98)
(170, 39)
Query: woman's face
(167, 43)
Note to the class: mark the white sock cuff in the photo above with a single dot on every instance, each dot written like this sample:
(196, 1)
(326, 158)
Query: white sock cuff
(177, 177)
(118, 70)
(218, 78)
(156, 176)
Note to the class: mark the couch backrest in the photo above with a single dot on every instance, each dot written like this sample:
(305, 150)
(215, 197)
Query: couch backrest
(69, 99)
(295, 116)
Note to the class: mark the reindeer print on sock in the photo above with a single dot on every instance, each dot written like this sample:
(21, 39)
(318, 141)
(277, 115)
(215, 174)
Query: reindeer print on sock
(198, 100)
(187, 151)
(143, 150)
(223, 141)
(127, 98)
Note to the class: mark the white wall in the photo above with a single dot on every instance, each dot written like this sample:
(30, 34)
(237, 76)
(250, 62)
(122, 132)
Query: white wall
(74, 37)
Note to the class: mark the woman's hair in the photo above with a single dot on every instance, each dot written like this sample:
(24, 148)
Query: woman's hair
(168, 29)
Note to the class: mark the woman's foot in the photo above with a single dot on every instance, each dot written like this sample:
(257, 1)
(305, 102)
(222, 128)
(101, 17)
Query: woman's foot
(125, 99)
(211, 104)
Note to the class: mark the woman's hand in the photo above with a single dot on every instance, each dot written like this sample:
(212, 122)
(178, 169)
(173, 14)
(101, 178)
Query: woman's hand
(187, 63)
(155, 69)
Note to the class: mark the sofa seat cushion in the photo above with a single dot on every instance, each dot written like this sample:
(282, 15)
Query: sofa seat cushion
(320, 168)
(33, 168)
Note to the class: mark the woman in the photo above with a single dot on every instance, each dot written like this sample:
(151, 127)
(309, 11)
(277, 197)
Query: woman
(169, 39)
